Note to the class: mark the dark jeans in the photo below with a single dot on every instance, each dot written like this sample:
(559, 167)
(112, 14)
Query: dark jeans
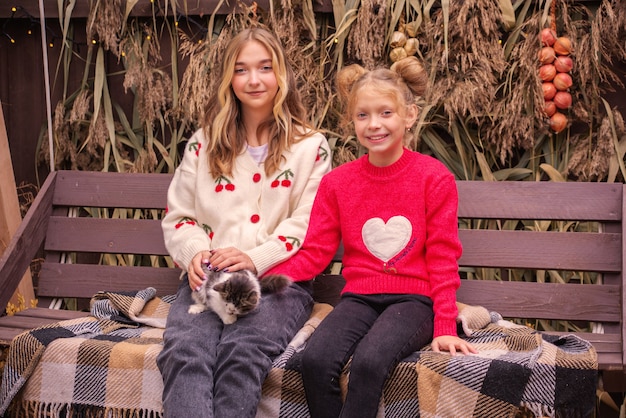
(214, 370)
(377, 331)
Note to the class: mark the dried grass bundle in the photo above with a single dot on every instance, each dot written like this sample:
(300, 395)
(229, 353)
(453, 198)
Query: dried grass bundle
(467, 73)
(152, 87)
(293, 28)
(518, 118)
(80, 107)
(592, 154)
(365, 41)
(200, 77)
(105, 23)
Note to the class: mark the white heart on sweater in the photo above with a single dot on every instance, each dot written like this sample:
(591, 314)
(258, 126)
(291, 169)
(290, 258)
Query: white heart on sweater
(385, 240)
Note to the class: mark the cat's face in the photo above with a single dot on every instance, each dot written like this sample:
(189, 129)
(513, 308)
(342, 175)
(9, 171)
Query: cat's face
(239, 294)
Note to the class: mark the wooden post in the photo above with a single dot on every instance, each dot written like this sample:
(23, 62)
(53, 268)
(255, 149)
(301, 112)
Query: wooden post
(10, 216)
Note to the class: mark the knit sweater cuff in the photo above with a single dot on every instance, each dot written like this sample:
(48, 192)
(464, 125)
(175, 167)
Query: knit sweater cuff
(444, 327)
(185, 256)
(266, 255)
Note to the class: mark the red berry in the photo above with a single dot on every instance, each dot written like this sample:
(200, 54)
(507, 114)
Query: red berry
(286, 183)
(275, 183)
(230, 187)
(289, 246)
(256, 178)
(219, 188)
(282, 238)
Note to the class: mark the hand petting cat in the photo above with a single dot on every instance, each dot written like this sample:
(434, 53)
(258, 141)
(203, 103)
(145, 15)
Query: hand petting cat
(229, 258)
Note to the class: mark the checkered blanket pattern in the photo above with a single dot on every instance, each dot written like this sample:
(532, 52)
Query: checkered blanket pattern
(98, 363)
(516, 366)
(105, 365)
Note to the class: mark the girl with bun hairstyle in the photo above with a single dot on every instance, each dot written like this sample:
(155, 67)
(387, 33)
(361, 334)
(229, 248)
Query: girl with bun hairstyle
(395, 210)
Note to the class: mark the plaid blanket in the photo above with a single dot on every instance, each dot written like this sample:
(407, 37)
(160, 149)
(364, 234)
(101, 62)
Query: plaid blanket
(105, 361)
(516, 366)
(105, 365)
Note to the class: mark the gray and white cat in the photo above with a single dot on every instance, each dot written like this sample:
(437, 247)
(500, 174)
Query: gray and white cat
(231, 295)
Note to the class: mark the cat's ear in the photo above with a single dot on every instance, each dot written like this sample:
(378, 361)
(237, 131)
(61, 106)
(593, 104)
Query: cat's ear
(220, 287)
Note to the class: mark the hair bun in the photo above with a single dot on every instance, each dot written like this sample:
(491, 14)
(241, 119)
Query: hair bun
(346, 78)
(412, 72)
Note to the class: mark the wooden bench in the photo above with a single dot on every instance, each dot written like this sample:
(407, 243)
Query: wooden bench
(508, 229)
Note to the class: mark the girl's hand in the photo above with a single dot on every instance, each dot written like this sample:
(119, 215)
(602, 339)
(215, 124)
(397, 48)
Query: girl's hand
(231, 259)
(195, 272)
(452, 344)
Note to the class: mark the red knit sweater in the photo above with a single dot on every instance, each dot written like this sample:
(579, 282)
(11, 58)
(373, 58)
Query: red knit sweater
(399, 228)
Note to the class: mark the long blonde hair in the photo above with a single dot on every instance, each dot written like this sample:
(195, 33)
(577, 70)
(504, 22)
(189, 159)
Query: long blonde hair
(222, 122)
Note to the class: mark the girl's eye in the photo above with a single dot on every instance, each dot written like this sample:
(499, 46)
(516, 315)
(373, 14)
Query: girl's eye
(240, 70)
(387, 113)
(266, 68)
(360, 115)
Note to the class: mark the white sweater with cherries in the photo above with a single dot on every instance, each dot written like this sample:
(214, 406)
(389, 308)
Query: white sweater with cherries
(264, 216)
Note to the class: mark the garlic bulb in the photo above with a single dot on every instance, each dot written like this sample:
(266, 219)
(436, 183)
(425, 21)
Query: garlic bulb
(411, 46)
(398, 39)
(397, 54)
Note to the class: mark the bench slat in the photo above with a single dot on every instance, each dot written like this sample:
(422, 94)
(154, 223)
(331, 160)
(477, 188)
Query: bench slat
(85, 280)
(540, 200)
(111, 190)
(578, 251)
(114, 236)
(538, 300)
(519, 248)
(32, 318)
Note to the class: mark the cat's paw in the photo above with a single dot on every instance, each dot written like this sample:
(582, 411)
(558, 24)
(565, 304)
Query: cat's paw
(196, 309)
(229, 319)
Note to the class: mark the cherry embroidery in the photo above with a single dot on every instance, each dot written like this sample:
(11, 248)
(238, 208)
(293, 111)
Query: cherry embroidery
(322, 154)
(283, 179)
(195, 146)
(208, 230)
(290, 242)
(185, 221)
(256, 177)
(221, 186)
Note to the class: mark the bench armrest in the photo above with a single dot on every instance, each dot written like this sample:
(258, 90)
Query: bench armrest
(27, 240)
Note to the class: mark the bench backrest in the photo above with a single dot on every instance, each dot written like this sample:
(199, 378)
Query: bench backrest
(572, 231)
(133, 229)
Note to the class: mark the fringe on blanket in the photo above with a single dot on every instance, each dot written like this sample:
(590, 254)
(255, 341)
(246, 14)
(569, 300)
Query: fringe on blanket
(39, 409)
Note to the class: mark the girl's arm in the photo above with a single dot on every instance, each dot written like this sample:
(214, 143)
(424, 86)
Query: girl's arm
(322, 239)
(183, 237)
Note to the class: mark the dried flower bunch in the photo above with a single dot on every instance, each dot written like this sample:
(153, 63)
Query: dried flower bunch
(486, 115)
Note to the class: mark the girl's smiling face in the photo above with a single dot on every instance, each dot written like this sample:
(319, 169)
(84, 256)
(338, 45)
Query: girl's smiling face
(254, 81)
(380, 123)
